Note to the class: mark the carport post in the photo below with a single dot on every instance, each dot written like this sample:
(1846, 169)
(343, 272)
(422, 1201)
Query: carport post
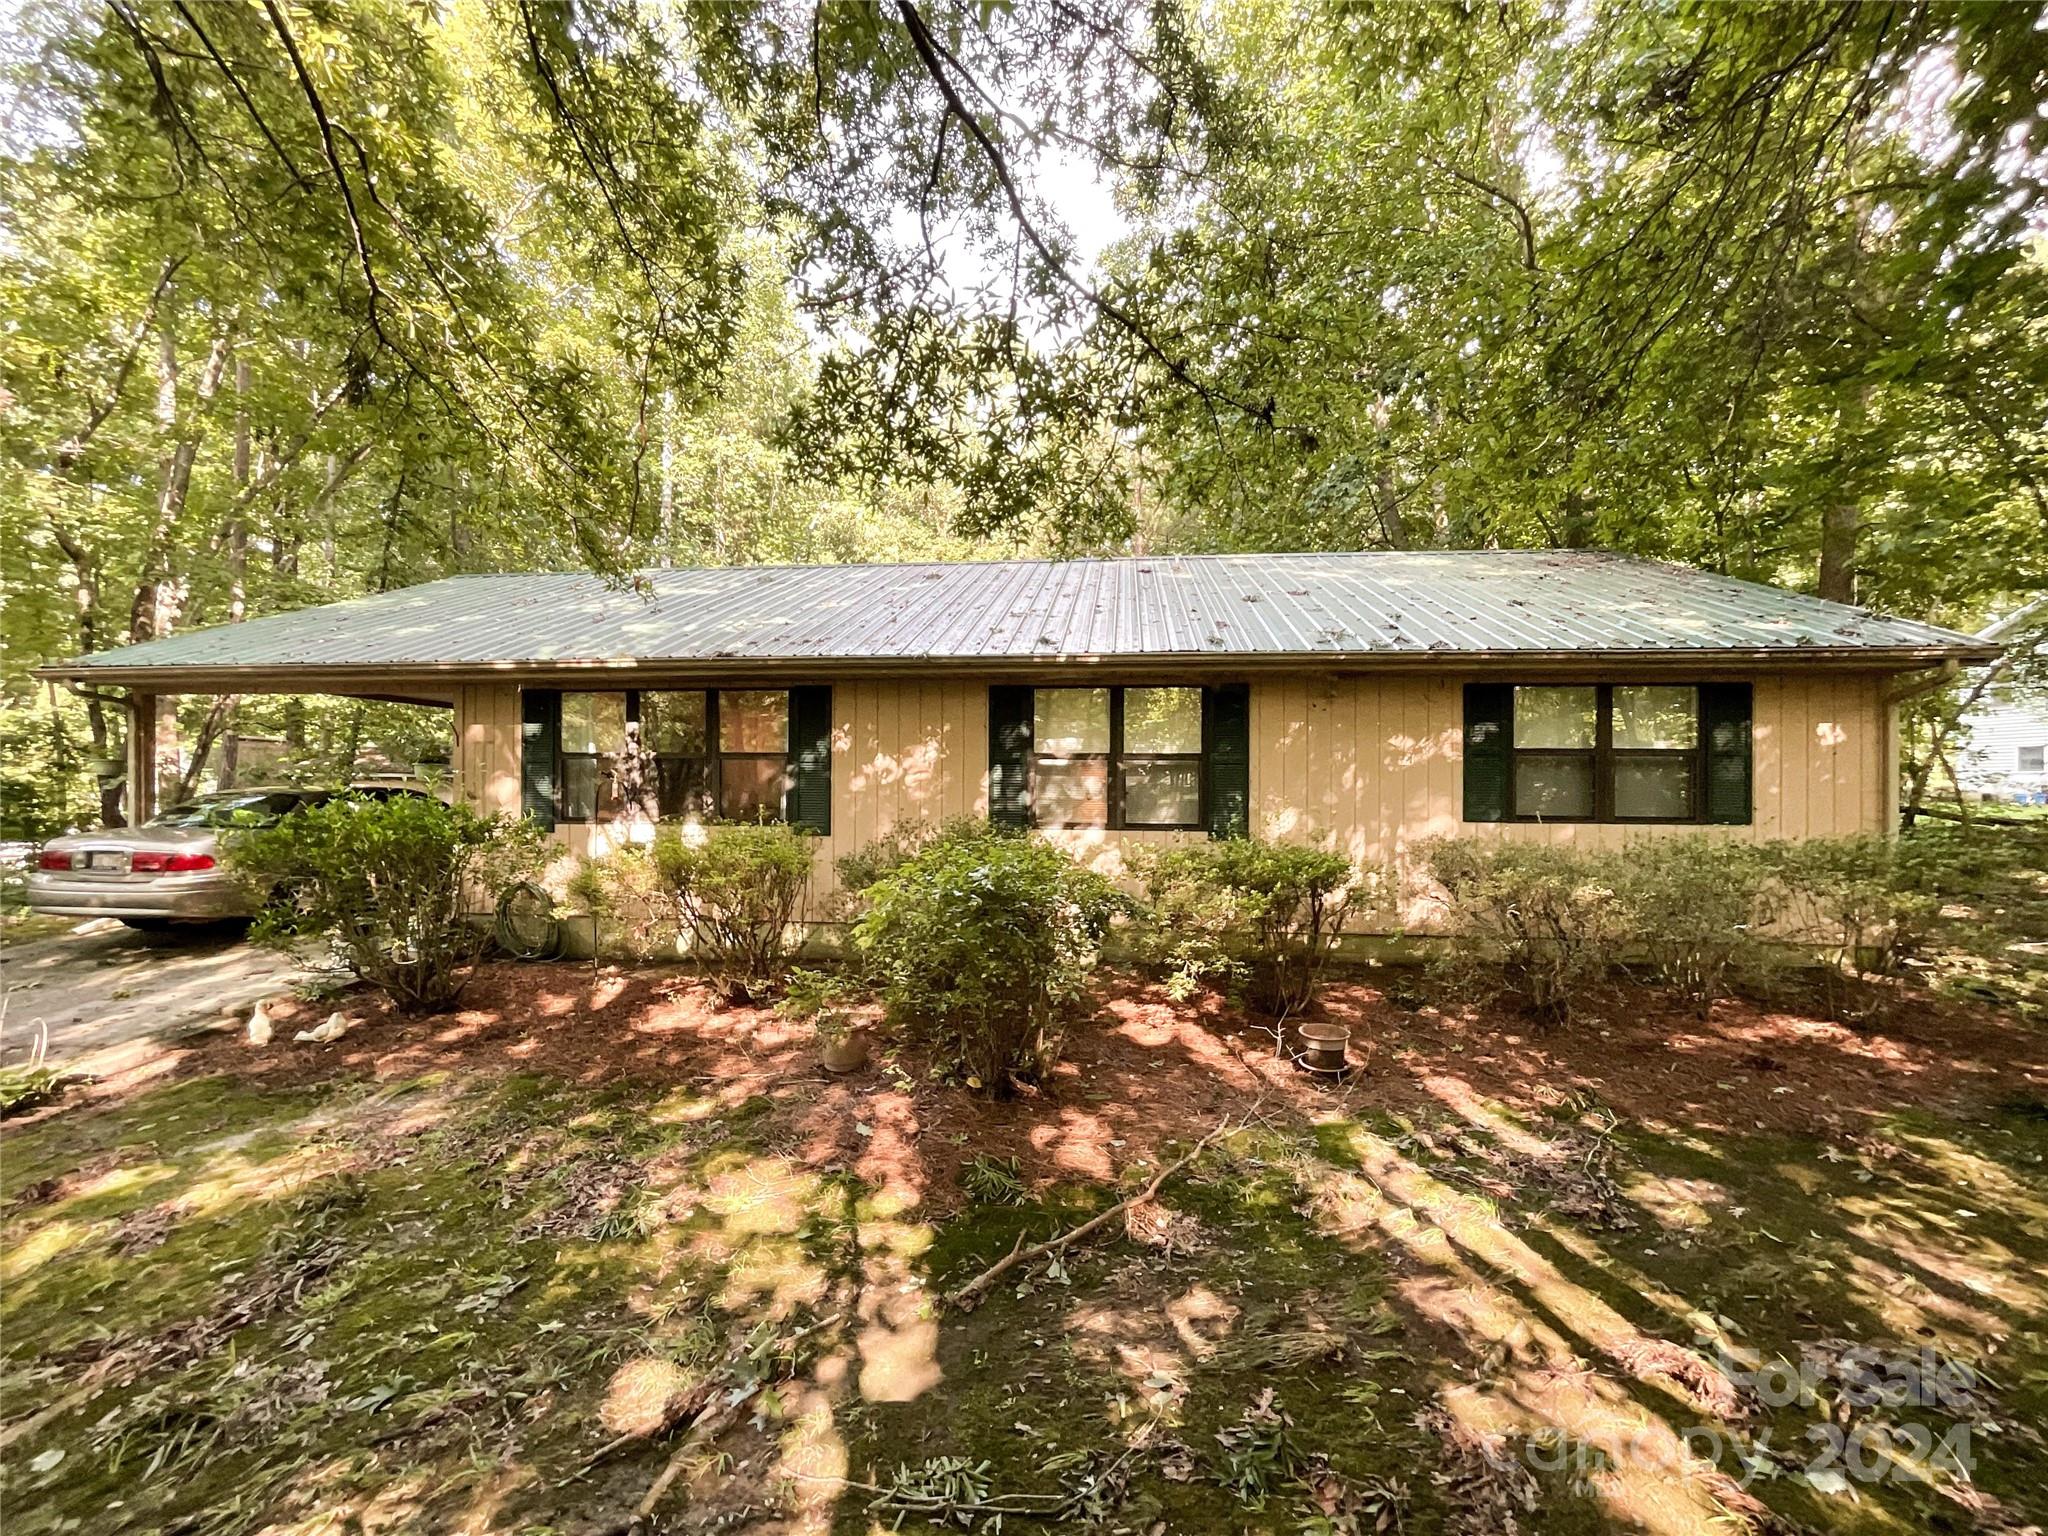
(141, 756)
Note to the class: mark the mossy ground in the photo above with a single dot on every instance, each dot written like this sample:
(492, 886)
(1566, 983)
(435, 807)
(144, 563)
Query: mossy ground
(423, 1305)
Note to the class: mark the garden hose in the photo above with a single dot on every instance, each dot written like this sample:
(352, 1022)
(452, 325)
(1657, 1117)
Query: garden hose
(526, 926)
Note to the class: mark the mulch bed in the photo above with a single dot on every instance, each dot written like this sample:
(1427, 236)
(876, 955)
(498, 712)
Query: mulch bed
(1147, 1071)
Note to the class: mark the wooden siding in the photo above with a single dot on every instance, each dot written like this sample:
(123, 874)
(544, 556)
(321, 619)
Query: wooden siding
(487, 747)
(1369, 764)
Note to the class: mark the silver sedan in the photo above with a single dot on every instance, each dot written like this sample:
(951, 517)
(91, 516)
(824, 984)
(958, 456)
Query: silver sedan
(169, 870)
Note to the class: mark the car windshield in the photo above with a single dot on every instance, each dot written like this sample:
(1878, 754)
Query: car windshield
(258, 808)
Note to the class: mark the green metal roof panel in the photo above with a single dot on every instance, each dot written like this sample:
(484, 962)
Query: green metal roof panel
(1333, 606)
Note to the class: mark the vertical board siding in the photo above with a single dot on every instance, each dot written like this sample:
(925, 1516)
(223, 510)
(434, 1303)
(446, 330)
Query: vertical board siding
(1368, 765)
(1384, 773)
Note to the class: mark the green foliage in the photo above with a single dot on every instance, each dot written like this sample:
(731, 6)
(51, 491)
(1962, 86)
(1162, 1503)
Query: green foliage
(1264, 914)
(874, 861)
(1866, 907)
(1707, 917)
(736, 887)
(1261, 1455)
(636, 912)
(1697, 911)
(44, 787)
(992, 1180)
(1542, 924)
(400, 889)
(986, 941)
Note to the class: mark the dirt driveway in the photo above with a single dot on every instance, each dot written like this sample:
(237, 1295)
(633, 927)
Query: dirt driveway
(109, 996)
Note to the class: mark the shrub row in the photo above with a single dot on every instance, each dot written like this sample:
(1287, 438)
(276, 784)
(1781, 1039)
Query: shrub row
(983, 939)
(1701, 916)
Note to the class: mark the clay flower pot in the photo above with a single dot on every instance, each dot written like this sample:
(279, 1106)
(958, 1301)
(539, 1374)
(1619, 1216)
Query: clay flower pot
(844, 1048)
(1324, 1048)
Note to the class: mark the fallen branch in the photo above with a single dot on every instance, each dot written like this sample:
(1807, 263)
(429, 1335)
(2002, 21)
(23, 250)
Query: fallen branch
(968, 1296)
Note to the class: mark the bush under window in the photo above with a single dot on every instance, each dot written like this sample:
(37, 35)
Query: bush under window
(402, 889)
(1266, 915)
(736, 889)
(985, 941)
(1540, 924)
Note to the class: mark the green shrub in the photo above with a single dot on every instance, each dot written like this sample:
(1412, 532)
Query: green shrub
(874, 861)
(1266, 915)
(1865, 905)
(736, 887)
(1695, 908)
(985, 940)
(637, 914)
(401, 889)
(1541, 924)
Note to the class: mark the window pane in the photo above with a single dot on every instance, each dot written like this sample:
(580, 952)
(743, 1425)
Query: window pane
(1555, 717)
(1667, 719)
(1557, 787)
(753, 720)
(579, 788)
(750, 788)
(1162, 720)
(1159, 794)
(1653, 788)
(1073, 793)
(593, 722)
(683, 788)
(1066, 721)
(2033, 759)
(673, 723)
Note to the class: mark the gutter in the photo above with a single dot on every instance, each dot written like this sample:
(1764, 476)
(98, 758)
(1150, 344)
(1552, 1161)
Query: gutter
(440, 677)
(1909, 688)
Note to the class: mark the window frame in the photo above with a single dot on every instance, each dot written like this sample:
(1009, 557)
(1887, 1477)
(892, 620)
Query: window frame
(1604, 756)
(2019, 757)
(1115, 760)
(649, 802)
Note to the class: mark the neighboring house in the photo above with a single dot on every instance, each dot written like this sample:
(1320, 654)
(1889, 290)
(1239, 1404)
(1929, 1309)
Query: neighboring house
(2006, 753)
(1367, 700)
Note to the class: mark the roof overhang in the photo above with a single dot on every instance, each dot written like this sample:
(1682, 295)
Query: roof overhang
(435, 683)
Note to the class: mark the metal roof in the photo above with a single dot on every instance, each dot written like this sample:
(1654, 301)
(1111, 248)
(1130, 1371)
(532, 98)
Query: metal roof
(1377, 606)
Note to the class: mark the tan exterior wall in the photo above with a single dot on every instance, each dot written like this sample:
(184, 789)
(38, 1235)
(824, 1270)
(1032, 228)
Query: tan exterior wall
(1366, 764)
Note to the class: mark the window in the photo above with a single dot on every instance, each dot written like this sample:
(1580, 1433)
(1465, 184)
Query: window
(593, 756)
(2034, 759)
(1619, 752)
(1116, 757)
(674, 754)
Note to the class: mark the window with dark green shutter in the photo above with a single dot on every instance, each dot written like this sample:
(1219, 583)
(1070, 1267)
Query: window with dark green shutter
(1607, 752)
(1227, 733)
(1130, 758)
(738, 754)
(810, 769)
(1009, 756)
(540, 712)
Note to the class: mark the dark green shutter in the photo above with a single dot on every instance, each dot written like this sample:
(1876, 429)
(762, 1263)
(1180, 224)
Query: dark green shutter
(1489, 723)
(1228, 730)
(809, 800)
(540, 721)
(1725, 732)
(1009, 756)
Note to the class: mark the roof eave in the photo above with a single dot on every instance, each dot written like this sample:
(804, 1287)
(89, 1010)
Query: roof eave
(439, 676)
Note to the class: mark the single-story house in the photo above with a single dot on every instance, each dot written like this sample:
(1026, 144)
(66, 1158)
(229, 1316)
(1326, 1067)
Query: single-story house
(1369, 700)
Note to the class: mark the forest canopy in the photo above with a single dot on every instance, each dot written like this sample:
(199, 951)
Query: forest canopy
(305, 300)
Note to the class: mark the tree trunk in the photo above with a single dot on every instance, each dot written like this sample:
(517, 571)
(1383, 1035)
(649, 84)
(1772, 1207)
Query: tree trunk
(157, 594)
(220, 713)
(238, 559)
(1840, 524)
(1388, 504)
